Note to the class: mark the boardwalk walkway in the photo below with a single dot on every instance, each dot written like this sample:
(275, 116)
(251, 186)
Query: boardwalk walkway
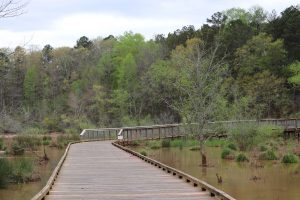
(99, 170)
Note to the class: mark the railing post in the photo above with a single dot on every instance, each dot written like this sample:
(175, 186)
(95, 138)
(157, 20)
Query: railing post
(159, 133)
(172, 131)
(152, 133)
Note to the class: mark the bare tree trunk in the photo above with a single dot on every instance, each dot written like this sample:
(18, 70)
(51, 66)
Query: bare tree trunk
(203, 155)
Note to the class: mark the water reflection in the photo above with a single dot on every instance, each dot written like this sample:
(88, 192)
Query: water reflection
(267, 180)
(27, 191)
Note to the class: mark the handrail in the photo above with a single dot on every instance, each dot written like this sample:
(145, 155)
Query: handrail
(288, 124)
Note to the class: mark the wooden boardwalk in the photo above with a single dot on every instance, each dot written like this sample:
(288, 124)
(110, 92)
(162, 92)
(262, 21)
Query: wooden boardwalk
(99, 170)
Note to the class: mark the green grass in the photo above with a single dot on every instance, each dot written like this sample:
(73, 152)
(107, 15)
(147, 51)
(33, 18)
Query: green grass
(216, 143)
(63, 140)
(28, 141)
(17, 149)
(268, 155)
(22, 170)
(290, 158)
(241, 158)
(144, 153)
(226, 153)
(166, 143)
(5, 172)
(232, 146)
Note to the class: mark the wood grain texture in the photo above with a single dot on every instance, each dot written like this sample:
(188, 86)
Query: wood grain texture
(98, 170)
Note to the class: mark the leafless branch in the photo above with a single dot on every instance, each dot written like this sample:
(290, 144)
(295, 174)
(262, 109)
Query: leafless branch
(12, 8)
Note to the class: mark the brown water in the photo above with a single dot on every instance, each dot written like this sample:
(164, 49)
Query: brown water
(276, 181)
(28, 190)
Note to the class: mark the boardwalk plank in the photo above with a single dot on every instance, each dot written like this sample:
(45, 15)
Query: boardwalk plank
(98, 170)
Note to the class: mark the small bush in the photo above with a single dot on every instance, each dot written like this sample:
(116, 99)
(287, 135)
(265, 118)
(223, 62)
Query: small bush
(232, 146)
(263, 148)
(63, 140)
(46, 142)
(268, 155)
(47, 137)
(178, 143)
(28, 141)
(244, 135)
(17, 149)
(155, 144)
(144, 153)
(241, 158)
(5, 171)
(22, 170)
(165, 143)
(269, 131)
(290, 158)
(34, 131)
(227, 154)
(135, 143)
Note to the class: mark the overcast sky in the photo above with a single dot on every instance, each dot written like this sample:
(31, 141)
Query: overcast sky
(62, 22)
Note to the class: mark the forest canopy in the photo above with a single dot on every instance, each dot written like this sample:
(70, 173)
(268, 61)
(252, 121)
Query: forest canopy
(251, 58)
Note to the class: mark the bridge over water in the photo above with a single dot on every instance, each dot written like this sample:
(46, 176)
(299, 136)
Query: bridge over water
(105, 170)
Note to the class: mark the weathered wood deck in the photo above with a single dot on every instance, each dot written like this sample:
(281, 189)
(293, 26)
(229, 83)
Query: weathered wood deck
(99, 170)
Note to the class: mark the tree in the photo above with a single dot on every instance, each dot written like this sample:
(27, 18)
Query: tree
(198, 82)
(47, 54)
(294, 68)
(31, 82)
(83, 42)
(11, 8)
(287, 27)
(260, 53)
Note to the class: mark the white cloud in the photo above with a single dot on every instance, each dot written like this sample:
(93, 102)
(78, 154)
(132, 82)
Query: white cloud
(59, 23)
(66, 31)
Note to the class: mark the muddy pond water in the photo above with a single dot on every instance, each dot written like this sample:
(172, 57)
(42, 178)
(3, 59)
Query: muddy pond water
(28, 190)
(271, 181)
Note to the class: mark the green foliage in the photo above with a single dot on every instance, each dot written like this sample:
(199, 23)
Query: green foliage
(241, 158)
(290, 158)
(215, 142)
(268, 155)
(17, 149)
(28, 141)
(144, 153)
(166, 143)
(22, 170)
(64, 139)
(5, 172)
(154, 144)
(52, 123)
(294, 69)
(244, 135)
(33, 131)
(232, 146)
(263, 148)
(31, 82)
(227, 154)
(269, 131)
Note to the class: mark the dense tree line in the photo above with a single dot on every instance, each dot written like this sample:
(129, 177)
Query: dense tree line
(251, 59)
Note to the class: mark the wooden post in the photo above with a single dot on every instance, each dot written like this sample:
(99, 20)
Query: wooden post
(152, 133)
(146, 133)
(172, 131)
(159, 133)
(109, 135)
